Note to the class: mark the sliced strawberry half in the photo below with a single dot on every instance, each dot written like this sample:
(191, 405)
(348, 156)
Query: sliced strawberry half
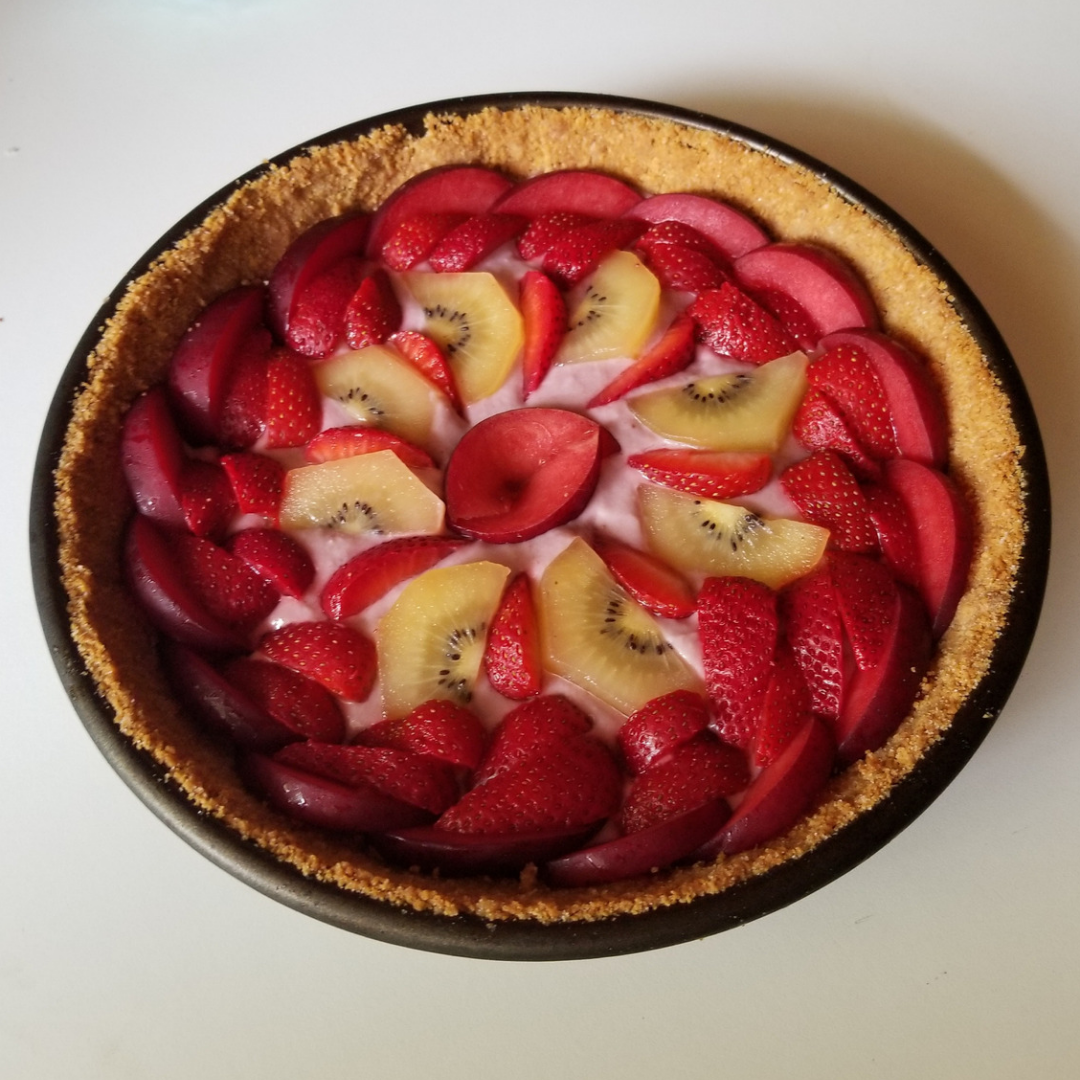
(317, 318)
(896, 532)
(439, 729)
(677, 234)
(373, 313)
(257, 481)
(369, 576)
(242, 417)
(733, 325)
(866, 593)
(845, 375)
(732, 232)
(340, 658)
(827, 494)
(684, 269)
(712, 473)
(543, 313)
(512, 657)
(332, 444)
(669, 355)
(814, 631)
(574, 255)
(820, 425)
(300, 703)
(277, 557)
(228, 588)
(543, 231)
(293, 402)
(650, 581)
(474, 240)
(414, 239)
(660, 726)
(207, 498)
(424, 355)
(785, 710)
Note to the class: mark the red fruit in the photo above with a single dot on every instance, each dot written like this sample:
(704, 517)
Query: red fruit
(369, 576)
(669, 355)
(732, 232)
(780, 794)
(574, 783)
(512, 657)
(257, 482)
(401, 774)
(712, 473)
(827, 494)
(166, 595)
(430, 361)
(153, 459)
(791, 316)
(227, 587)
(738, 626)
(528, 730)
(519, 473)
(575, 191)
(317, 318)
(207, 498)
(866, 593)
(918, 416)
(822, 286)
(785, 710)
(684, 269)
(373, 313)
(543, 313)
(474, 240)
(242, 418)
(660, 726)
(302, 705)
(451, 189)
(846, 376)
(942, 534)
(882, 695)
(327, 804)
(438, 729)
(335, 443)
(731, 324)
(642, 852)
(310, 255)
(810, 613)
(896, 532)
(277, 557)
(576, 253)
(676, 234)
(650, 581)
(219, 705)
(293, 403)
(543, 231)
(697, 772)
(414, 239)
(200, 368)
(340, 658)
(819, 425)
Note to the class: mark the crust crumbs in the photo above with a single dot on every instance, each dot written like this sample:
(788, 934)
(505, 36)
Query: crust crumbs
(240, 241)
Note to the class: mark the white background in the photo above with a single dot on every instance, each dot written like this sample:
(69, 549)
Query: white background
(953, 953)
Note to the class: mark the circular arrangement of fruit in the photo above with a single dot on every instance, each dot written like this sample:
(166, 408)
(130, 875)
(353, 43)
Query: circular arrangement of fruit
(544, 523)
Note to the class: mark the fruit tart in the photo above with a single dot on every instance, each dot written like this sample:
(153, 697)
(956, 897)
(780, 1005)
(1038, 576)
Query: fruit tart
(551, 512)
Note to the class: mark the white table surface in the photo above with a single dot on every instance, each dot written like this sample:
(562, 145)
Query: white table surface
(953, 953)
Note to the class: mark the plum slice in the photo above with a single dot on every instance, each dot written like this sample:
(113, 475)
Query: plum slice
(153, 459)
(733, 233)
(570, 191)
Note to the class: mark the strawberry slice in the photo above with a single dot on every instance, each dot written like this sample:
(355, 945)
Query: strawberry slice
(827, 494)
(542, 232)
(650, 581)
(738, 626)
(811, 615)
(895, 531)
(846, 375)
(227, 587)
(207, 498)
(866, 593)
(693, 774)
(791, 315)
(243, 406)
(660, 726)
(473, 240)
(543, 312)
(819, 425)
(317, 320)
(413, 240)
(512, 658)
(733, 325)
(785, 710)
(340, 658)
(257, 481)
(712, 473)
(342, 442)
(438, 729)
(578, 252)
(277, 557)
(293, 403)
(373, 313)
(422, 352)
(669, 355)
(401, 774)
(300, 703)
(677, 234)
(684, 269)
(369, 576)
(575, 782)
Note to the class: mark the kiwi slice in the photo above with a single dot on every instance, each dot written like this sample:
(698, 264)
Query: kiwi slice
(375, 493)
(476, 325)
(431, 641)
(723, 539)
(739, 411)
(381, 389)
(615, 314)
(599, 638)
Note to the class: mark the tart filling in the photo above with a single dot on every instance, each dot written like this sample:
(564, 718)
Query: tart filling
(665, 352)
